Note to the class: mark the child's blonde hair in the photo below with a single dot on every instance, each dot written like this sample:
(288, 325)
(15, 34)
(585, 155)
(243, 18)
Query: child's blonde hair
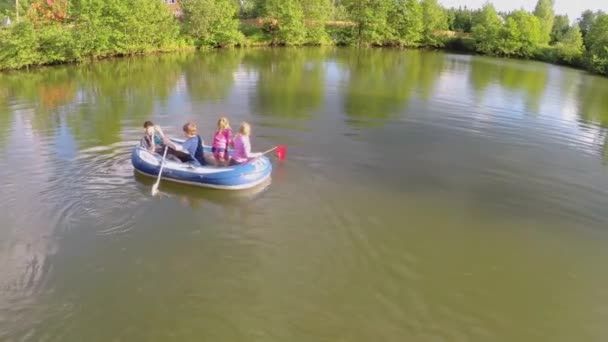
(245, 129)
(223, 123)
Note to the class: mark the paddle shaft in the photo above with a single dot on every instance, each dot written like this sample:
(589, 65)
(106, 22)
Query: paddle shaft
(162, 165)
(272, 149)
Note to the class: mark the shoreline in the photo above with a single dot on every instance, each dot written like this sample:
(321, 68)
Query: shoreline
(445, 49)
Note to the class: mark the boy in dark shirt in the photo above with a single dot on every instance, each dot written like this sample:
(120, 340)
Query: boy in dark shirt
(155, 142)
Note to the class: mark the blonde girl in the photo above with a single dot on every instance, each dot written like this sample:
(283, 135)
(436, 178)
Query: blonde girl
(242, 145)
(221, 141)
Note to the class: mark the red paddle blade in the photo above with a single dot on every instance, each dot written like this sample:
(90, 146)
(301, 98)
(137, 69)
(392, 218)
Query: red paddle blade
(281, 152)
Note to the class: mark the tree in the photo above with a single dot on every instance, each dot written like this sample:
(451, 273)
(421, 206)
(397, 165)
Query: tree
(316, 12)
(7, 6)
(96, 28)
(463, 20)
(370, 17)
(586, 21)
(546, 15)
(597, 44)
(435, 20)
(521, 35)
(19, 47)
(44, 12)
(149, 28)
(250, 8)
(561, 25)
(212, 22)
(406, 22)
(112, 27)
(597, 36)
(570, 46)
(486, 29)
(460, 19)
(289, 28)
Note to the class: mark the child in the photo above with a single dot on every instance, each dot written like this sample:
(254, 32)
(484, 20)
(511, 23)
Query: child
(221, 140)
(193, 143)
(155, 142)
(242, 146)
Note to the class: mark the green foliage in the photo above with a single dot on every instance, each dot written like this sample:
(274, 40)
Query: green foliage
(112, 27)
(212, 22)
(316, 12)
(570, 46)
(102, 28)
(19, 47)
(339, 12)
(460, 19)
(586, 21)
(254, 35)
(341, 35)
(486, 30)
(521, 35)
(435, 20)
(406, 22)
(6, 7)
(23, 46)
(546, 15)
(251, 8)
(150, 27)
(597, 44)
(370, 17)
(597, 37)
(561, 25)
(290, 28)
(56, 45)
(98, 28)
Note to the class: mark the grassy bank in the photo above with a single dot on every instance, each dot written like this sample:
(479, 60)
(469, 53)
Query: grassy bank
(65, 31)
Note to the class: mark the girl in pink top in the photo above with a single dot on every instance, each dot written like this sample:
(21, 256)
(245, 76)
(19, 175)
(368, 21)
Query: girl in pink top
(221, 141)
(242, 146)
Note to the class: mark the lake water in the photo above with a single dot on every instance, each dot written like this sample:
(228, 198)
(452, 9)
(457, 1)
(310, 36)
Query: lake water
(425, 197)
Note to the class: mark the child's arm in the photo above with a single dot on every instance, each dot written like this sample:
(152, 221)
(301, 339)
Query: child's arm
(247, 146)
(148, 143)
(229, 141)
(164, 138)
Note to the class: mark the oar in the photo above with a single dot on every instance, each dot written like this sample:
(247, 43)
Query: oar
(281, 152)
(162, 164)
(272, 149)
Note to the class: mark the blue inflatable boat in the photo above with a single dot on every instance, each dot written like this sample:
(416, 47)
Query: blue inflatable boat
(237, 177)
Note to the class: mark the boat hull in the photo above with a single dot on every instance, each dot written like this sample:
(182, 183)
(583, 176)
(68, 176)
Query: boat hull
(236, 177)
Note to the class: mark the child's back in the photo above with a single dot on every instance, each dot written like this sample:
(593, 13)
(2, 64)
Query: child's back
(221, 141)
(193, 143)
(242, 145)
(221, 138)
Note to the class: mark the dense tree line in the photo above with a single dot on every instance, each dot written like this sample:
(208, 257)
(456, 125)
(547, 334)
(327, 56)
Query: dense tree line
(65, 31)
(56, 31)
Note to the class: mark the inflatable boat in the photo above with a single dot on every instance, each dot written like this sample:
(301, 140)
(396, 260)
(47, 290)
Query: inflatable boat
(243, 176)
